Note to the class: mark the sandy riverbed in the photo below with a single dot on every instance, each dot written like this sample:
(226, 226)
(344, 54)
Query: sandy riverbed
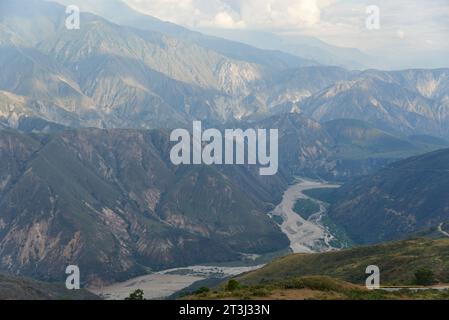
(164, 283)
(305, 235)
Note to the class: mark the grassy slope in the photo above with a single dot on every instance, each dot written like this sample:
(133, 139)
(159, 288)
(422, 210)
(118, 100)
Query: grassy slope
(14, 288)
(341, 275)
(313, 288)
(397, 261)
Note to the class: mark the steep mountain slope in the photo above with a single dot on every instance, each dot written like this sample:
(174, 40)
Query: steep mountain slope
(15, 288)
(403, 198)
(15, 110)
(178, 59)
(112, 203)
(113, 76)
(410, 102)
(358, 139)
(28, 72)
(341, 149)
(302, 46)
(286, 90)
(120, 13)
(33, 84)
(305, 146)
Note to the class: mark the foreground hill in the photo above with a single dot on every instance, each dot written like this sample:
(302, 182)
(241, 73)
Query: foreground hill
(398, 261)
(15, 288)
(341, 275)
(402, 198)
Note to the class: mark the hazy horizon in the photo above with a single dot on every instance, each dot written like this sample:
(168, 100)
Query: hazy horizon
(411, 35)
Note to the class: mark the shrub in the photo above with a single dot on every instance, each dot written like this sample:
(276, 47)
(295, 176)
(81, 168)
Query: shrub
(136, 295)
(232, 285)
(424, 277)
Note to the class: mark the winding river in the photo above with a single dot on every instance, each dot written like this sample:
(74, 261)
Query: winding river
(305, 235)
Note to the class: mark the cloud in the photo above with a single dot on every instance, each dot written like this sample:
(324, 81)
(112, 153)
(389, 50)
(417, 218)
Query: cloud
(401, 34)
(231, 14)
(405, 24)
(225, 20)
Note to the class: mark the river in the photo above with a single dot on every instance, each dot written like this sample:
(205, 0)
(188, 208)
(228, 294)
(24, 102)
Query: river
(305, 236)
(162, 284)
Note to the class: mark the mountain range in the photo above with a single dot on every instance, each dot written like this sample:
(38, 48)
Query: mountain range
(112, 202)
(154, 74)
(85, 121)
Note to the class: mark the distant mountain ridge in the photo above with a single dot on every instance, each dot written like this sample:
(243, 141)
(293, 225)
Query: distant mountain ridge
(160, 75)
(410, 101)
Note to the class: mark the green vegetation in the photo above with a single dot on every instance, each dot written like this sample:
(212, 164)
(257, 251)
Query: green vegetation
(19, 288)
(359, 140)
(306, 208)
(398, 262)
(136, 295)
(323, 194)
(341, 275)
(424, 277)
(316, 288)
(135, 180)
(341, 238)
(232, 285)
(278, 219)
(397, 201)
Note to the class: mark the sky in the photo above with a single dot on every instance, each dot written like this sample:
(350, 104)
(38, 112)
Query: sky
(408, 27)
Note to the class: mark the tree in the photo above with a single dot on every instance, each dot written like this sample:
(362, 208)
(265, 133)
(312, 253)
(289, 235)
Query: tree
(424, 277)
(232, 285)
(136, 295)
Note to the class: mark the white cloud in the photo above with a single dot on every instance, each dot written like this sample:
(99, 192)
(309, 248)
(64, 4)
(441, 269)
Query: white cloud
(252, 14)
(401, 34)
(406, 25)
(225, 20)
